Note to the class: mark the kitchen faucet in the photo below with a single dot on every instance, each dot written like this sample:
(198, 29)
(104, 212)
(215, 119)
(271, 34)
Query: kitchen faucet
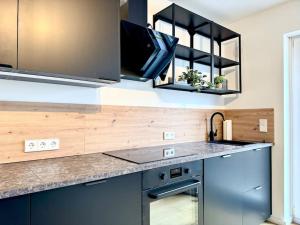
(213, 134)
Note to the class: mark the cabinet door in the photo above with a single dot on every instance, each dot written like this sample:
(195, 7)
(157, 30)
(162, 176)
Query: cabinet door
(15, 211)
(257, 198)
(8, 33)
(71, 37)
(256, 205)
(257, 168)
(116, 201)
(222, 190)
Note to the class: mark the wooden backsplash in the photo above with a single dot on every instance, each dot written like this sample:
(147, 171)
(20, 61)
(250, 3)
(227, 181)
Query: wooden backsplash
(114, 127)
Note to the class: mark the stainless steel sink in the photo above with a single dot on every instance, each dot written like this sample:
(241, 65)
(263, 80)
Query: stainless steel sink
(237, 143)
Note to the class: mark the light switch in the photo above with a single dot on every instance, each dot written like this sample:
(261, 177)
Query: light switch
(263, 125)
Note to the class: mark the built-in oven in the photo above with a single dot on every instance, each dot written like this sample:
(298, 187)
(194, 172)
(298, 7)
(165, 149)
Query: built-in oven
(173, 195)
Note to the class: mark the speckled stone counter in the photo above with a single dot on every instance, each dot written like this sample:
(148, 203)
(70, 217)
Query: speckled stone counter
(34, 176)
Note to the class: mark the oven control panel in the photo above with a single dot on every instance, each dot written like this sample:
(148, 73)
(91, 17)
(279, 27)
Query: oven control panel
(171, 174)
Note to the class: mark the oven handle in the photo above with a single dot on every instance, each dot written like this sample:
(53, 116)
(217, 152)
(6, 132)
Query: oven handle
(174, 189)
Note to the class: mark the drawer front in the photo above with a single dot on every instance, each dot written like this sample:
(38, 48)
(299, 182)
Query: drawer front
(257, 205)
(257, 168)
(222, 190)
(225, 172)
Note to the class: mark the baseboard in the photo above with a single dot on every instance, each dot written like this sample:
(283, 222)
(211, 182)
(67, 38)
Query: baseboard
(296, 220)
(276, 220)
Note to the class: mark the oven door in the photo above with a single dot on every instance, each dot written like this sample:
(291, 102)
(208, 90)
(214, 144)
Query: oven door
(175, 204)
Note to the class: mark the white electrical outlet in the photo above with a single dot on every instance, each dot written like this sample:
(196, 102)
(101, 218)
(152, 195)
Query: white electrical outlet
(263, 125)
(31, 145)
(169, 152)
(169, 135)
(42, 145)
(53, 144)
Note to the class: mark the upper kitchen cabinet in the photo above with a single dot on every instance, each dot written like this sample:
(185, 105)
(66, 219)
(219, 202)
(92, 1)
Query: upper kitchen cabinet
(77, 40)
(134, 11)
(8, 33)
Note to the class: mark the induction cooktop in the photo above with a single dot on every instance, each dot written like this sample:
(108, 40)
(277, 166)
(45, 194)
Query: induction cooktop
(151, 154)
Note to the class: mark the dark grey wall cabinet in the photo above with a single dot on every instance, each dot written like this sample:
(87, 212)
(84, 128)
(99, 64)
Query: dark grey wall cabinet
(15, 211)
(78, 37)
(115, 201)
(237, 188)
(8, 33)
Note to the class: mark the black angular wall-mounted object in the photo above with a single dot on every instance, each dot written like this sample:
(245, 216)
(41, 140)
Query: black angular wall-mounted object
(145, 53)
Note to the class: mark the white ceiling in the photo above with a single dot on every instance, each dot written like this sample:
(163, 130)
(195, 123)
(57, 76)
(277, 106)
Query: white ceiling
(226, 11)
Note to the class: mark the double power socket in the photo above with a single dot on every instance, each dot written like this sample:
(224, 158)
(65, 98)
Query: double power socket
(39, 145)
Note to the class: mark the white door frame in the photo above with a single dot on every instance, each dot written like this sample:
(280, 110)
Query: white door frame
(288, 127)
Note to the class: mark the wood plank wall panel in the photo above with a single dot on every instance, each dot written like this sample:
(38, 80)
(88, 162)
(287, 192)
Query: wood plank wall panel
(114, 128)
(15, 127)
(245, 124)
(132, 127)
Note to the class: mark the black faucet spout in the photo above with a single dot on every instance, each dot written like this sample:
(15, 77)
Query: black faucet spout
(213, 134)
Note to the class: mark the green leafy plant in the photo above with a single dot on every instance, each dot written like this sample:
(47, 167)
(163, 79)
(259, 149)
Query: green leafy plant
(220, 79)
(193, 77)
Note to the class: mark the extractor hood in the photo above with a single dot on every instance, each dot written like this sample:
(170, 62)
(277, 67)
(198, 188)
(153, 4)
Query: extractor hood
(145, 53)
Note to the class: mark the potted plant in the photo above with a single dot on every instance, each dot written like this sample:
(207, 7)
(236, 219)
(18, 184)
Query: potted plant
(193, 78)
(219, 80)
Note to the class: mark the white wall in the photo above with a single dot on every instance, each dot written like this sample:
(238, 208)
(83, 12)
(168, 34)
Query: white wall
(262, 71)
(142, 94)
(296, 127)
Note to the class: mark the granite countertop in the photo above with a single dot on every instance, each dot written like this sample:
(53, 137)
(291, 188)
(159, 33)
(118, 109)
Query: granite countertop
(34, 176)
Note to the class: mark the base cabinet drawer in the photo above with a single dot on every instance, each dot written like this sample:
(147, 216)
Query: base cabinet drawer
(256, 167)
(116, 201)
(256, 205)
(15, 211)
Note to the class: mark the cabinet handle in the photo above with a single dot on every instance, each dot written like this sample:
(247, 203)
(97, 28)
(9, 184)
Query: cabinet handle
(258, 188)
(258, 149)
(95, 183)
(226, 156)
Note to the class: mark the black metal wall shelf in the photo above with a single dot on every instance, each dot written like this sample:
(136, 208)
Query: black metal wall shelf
(190, 54)
(219, 62)
(183, 18)
(196, 24)
(219, 33)
(219, 91)
(177, 87)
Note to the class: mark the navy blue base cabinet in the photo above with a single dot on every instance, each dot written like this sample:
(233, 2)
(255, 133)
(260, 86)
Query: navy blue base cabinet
(237, 188)
(15, 211)
(116, 201)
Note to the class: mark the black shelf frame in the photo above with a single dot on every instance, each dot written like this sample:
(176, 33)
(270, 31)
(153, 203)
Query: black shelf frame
(196, 24)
